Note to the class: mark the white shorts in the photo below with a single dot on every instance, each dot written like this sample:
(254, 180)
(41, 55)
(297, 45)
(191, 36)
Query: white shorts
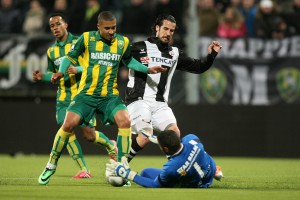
(149, 115)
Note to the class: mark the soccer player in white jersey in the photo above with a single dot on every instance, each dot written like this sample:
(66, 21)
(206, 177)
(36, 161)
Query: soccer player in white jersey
(146, 95)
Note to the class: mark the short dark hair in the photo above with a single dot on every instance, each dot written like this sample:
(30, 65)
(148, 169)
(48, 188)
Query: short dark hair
(170, 140)
(63, 16)
(160, 19)
(106, 15)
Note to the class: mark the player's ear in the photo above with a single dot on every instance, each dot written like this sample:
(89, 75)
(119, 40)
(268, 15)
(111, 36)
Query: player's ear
(166, 150)
(157, 29)
(98, 26)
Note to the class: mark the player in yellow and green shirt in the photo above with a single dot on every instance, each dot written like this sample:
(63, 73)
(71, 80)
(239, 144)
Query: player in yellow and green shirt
(67, 89)
(103, 50)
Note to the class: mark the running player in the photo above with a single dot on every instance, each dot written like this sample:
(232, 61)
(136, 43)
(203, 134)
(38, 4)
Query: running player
(67, 88)
(147, 94)
(98, 93)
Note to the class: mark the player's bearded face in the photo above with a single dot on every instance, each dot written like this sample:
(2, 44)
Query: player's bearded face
(107, 29)
(166, 31)
(58, 27)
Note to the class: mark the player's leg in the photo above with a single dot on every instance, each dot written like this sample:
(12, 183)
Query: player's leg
(110, 145)
(73, 145)
(61, 139)
(75, 152)
(140, 113)
(215, 172)
(122, 120)
(101, 139)
(112, 110)
(77, 110)
(164, 118)
(60, 142)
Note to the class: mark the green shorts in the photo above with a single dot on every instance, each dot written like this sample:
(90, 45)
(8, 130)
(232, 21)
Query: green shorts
(61, 110)
(105, 107)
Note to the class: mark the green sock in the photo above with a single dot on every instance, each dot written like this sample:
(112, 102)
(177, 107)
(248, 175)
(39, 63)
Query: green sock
(75, 152)
(123, 142)
(103, 140)
(60, 142)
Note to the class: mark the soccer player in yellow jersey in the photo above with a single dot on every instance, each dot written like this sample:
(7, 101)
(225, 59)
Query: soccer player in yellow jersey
(67, 88)
(103, 50)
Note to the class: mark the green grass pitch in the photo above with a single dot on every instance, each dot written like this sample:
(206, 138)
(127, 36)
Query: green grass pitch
(245, 179)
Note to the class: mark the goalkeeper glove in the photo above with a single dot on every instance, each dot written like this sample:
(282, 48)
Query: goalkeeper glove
(109, 171)
(121, 169)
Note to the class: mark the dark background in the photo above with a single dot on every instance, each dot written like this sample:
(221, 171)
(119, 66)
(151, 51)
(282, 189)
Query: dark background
(28, 126)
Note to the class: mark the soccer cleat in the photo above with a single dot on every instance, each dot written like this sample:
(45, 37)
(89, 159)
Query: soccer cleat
(45, 176)
(83, 174)
(113, 154)
(219, 174)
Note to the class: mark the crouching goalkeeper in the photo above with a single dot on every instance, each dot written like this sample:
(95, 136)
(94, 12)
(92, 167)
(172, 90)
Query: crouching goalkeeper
(188, 166)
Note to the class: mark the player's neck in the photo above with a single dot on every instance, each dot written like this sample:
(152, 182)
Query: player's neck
(64, 38)
(178, 152)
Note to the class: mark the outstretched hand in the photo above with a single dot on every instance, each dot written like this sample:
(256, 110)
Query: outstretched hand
(215, 45)
(56, 77)
(156, 69)
(120, 169)
(37, 75)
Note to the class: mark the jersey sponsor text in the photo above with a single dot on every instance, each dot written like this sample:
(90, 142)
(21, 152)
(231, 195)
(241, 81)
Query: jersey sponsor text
(187, 165)
(105, 56)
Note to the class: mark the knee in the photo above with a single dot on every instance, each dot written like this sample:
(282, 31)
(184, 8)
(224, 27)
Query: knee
(175, 129)
(68, 127)
(124, 123)
(122, 119)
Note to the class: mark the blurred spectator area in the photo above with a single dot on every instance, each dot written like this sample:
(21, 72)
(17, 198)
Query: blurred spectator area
(262, 18)
(228, 19)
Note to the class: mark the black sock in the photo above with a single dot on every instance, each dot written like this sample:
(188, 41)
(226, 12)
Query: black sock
(135, 148)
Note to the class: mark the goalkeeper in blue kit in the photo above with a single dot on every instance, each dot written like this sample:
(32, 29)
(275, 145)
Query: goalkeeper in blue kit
(188, 166)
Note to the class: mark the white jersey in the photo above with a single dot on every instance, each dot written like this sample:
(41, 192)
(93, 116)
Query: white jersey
(156, 87)
(152, 87)
(147, 94)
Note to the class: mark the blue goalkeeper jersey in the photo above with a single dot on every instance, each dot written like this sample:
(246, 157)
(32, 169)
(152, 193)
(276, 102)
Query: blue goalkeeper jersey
(191, 167)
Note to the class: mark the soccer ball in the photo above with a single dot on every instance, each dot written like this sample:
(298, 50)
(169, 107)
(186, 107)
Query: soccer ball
(116, 181)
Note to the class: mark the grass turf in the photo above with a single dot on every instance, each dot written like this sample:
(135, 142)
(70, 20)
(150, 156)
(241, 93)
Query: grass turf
(245, 179)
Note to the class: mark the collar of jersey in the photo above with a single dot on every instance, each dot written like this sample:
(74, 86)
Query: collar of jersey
(98, 37)
(161, 46)
(177, 153)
